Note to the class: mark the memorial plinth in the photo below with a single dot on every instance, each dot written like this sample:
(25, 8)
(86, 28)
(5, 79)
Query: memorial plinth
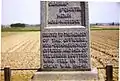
(66, 75)
(64, 38)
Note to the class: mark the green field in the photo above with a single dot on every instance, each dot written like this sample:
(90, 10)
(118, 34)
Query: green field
(20, 29)
(28, 29)
(103, 28)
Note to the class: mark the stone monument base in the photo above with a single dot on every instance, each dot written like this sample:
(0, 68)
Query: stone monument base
(66, 75)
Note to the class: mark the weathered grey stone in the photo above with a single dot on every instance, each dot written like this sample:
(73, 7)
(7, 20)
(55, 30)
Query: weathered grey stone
(66, 76)
(65, 48)
(64, 13)
(65, 53)
(59, 52)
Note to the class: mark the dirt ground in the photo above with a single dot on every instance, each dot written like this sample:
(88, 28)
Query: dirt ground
(22, 50)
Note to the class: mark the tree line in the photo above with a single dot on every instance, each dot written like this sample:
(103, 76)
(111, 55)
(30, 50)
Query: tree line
(18, 25)
(22, 25)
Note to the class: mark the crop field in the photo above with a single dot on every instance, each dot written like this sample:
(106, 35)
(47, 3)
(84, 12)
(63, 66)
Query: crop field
(104, 49)
(22, 50)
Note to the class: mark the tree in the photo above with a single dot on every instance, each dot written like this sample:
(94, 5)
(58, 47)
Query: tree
(18, 25)
(96, 23)
(112, 24)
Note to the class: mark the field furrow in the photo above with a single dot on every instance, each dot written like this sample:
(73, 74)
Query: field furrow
(22, 50)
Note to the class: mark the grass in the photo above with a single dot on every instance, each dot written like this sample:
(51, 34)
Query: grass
(17, 30)
(21, 77)
(18, 75)
(33, 29)
(20, 29)
(103, 28)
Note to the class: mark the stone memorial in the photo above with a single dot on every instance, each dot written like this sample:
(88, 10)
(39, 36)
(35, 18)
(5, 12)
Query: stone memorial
(65, 50)
(62, 13)
(65, 36)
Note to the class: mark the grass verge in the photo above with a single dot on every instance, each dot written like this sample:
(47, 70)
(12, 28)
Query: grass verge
(104, 28)
(20, 29)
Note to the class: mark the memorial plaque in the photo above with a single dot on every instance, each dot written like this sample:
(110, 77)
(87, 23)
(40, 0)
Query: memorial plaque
(64, 13)
(65, 49)
(65, 36)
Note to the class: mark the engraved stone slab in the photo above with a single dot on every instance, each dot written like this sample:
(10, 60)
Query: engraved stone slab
(64, 13)
(65, 48)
